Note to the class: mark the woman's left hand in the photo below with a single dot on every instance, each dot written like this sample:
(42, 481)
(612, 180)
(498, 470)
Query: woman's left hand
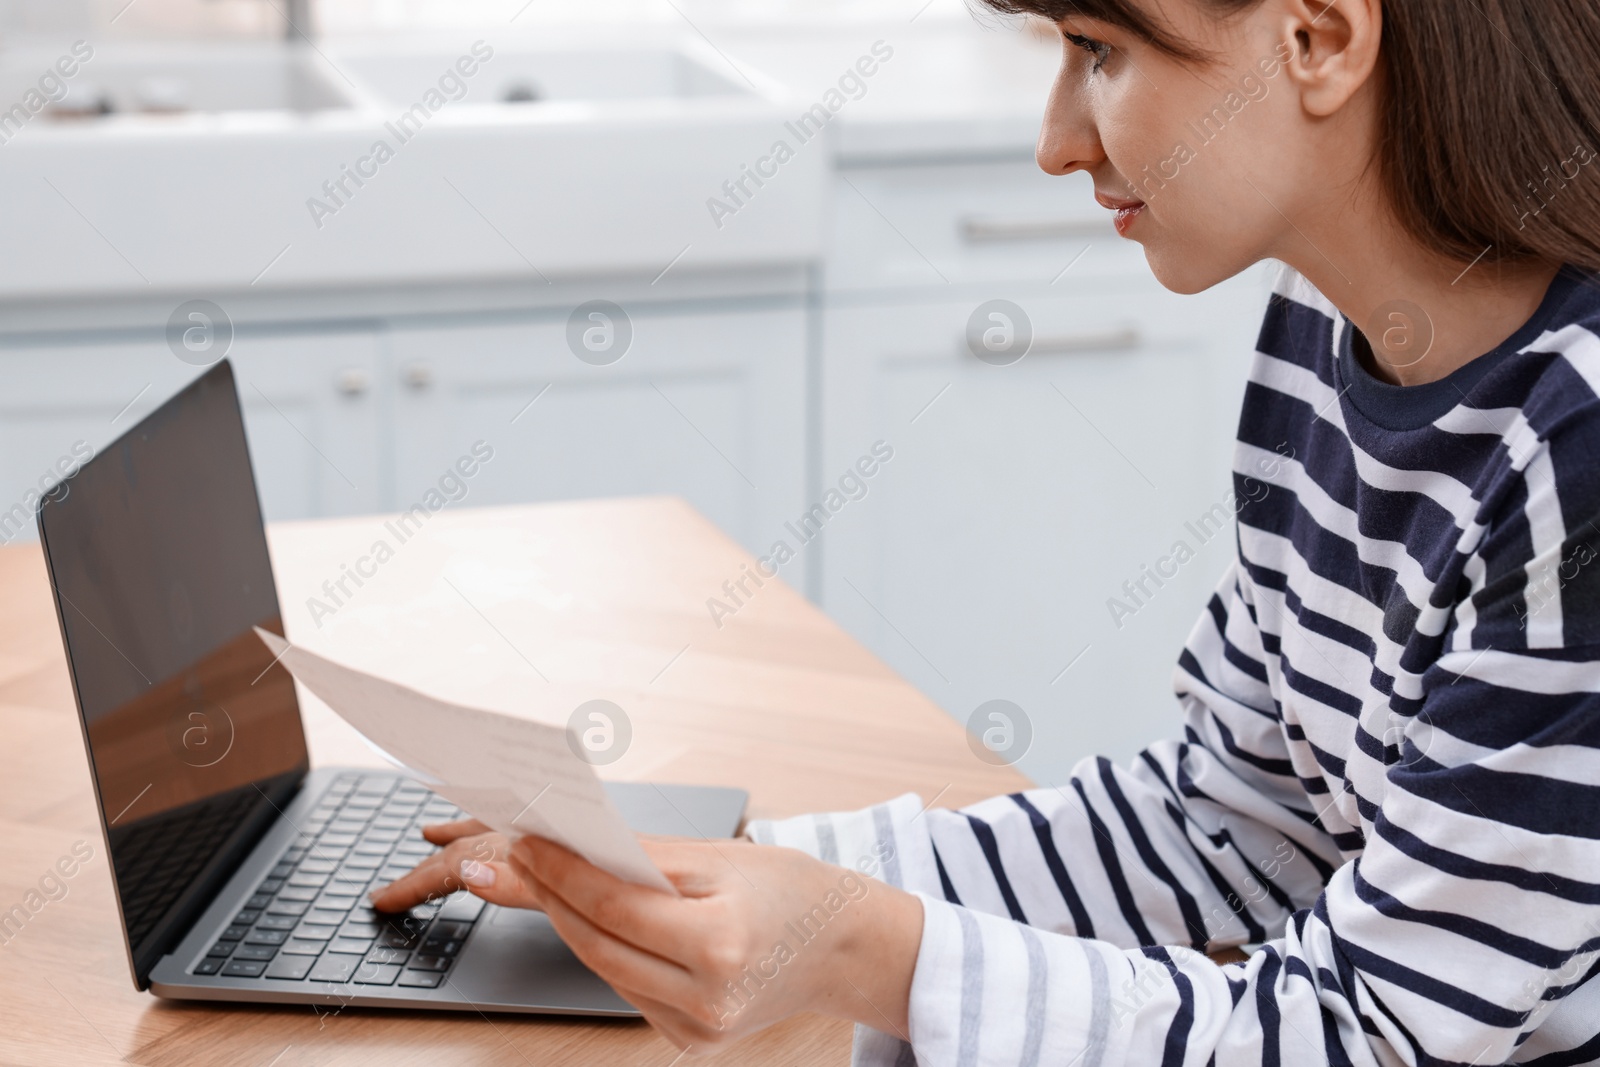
(759, 933)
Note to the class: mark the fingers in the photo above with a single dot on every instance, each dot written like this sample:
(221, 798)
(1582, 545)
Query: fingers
(432, 878)
(442, 833)
(644, 918)
(618, 962)
(476, 863)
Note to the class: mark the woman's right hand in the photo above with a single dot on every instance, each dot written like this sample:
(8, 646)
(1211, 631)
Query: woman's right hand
(473, 857)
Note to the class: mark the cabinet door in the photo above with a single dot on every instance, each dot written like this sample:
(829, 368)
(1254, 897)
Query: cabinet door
(311, 413)
(709, 406)
(984, 561)
(310, 420)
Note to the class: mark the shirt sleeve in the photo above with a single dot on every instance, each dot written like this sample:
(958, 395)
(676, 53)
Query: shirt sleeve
(1062, 924)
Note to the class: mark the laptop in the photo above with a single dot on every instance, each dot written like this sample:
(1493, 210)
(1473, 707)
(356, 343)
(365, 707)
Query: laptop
(240, 871)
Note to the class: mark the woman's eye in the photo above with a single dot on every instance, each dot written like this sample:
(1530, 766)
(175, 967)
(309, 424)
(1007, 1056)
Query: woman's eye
(1099, 49)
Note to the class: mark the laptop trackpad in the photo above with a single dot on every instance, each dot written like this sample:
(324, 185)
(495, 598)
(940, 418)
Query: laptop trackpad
(515, 959)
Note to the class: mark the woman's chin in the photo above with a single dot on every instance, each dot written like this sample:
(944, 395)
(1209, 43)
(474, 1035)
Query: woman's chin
(1187, 271)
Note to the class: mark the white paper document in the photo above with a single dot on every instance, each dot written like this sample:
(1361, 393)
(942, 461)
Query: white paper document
(516, 776)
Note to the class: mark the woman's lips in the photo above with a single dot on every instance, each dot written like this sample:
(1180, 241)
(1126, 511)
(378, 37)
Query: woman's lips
(1123, 219)
(1126, 210)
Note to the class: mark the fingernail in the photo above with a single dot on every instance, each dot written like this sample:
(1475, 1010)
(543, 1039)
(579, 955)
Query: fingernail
(477, 874)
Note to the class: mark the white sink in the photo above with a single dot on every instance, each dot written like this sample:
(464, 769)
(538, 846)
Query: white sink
(557, 75)
(173, 79)
(543, 163)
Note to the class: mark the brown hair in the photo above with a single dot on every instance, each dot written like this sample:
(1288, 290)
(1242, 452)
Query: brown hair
(1491, 129)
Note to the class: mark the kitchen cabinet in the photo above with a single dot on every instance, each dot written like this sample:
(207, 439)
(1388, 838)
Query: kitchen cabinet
(310, 415)
(1023, 494)
(706, 403)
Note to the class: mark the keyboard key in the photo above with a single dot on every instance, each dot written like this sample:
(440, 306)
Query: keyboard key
(277, 922)
(298, 946)
(336, 840)
(380, 835)
(317, 865)
(346, 887)
(377, 974)
(454, 931)
(441, 946)
(245, 918)
(209, 965)
(257, 902)
(255, 952)
(334, 968)
(270, 886)
(298, 892)
(315, 932)
(426, 962)
(411, 924)
(392, 872)
(244, 968)
(267, 937)
(415, 848)
(355, 946)
(292, 968)
(395, 937)
(222, 948)
(421, 979)
(330, 910)
(289, 907)
(233, 933)
(282, 870)
(461, 907)
(358, 862)
(360, 929)
(388, 955)
(294, 854)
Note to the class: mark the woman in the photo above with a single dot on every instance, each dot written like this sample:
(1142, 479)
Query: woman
(1387, 778)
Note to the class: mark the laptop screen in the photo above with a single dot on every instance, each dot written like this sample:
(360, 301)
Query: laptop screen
(159, 563)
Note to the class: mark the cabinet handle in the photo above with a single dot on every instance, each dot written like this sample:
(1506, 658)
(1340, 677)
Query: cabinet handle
(1124, 339)
(985, 229)
(353, 381)
(418, 376)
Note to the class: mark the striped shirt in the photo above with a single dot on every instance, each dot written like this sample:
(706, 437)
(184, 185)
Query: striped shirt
(1388, 783)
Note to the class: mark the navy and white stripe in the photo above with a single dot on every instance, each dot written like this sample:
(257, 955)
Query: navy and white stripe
(1388, 781)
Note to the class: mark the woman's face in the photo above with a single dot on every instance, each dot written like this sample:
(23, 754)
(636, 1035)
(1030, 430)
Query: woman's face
(1205, 163)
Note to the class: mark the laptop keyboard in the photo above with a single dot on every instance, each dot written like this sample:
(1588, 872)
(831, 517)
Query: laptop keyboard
(309, 920)
(168, 850)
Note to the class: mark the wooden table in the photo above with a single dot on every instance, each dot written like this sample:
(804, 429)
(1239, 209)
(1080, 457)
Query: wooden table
(530, 610)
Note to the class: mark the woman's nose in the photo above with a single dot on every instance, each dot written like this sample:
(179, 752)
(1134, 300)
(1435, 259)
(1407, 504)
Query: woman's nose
(1068, 140)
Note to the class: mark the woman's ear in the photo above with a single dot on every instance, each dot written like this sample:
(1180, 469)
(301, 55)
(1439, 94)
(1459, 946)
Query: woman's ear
(1335, 46)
